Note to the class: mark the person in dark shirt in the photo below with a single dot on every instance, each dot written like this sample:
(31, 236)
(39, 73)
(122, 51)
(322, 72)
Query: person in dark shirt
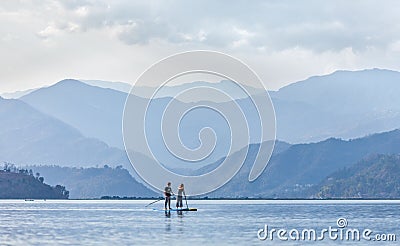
(168, 193)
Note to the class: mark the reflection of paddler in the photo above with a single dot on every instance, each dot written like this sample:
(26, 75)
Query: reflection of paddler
(168, 193)
(181, 192)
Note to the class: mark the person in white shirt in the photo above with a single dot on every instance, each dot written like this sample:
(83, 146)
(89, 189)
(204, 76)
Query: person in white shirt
(181, 192)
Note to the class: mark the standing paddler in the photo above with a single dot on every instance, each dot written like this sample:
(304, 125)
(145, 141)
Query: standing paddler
(168, 193)
(181, 192)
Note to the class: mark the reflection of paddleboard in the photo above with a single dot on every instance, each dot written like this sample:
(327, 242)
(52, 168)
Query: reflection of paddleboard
(174, 209)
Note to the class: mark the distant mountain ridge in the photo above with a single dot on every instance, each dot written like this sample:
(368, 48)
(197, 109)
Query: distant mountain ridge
(96, 112)
(84, 183)
(171, 90)
(293, 171)
(344, 104)
(73, 124)
(28, 136)
(23, 186)
(118, 86)
(16, 94)
(376, 176)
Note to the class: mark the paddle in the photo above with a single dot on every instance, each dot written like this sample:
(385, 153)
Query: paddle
(154, 202)
(186, 201)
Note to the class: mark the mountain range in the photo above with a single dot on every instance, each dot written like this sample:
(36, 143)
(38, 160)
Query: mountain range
(96, 112)
(294, 171)
(376, 176)
(28, 136)
(326, 122)
(94, 182)
(21, 185)
(344, 104)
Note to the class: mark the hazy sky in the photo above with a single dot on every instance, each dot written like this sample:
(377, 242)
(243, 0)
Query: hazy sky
(43, 41)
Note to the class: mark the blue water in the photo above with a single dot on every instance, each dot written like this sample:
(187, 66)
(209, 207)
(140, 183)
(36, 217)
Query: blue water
(215, 222)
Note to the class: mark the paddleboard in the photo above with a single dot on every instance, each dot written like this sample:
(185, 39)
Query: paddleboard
(174, 209)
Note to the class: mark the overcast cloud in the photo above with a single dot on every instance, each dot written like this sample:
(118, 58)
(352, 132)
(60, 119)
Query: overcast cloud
(42, 42)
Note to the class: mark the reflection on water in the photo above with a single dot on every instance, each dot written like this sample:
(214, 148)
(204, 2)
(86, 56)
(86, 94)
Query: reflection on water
(215, 222)
(168, 223)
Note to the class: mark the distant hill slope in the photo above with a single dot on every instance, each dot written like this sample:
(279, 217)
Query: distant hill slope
(24, 186)
(170, 90)
(95, 182)
(291, 172)
(310, 163)
(373, 177)
(16, 94)
(28, 136)
(118, 86)
(344, 104)
(227, 86)
(96, 112)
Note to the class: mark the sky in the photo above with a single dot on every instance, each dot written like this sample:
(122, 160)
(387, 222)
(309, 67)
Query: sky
(45, 41)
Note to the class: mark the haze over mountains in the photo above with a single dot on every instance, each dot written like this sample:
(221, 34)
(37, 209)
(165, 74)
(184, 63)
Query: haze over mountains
(343, 104)
(376, 176)
(16, 94)
(95, 182)
(94, 111)
(295, 171)
(28, 136)
(76, 124)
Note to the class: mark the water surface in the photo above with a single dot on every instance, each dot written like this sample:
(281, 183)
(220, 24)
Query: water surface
(84, 222)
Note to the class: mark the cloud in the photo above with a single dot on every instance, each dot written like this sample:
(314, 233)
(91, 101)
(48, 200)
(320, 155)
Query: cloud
(54, 29)
(395, 46)
(283, 40)
(140, 32)
(259, 25)
(262, 25)
(74, 5)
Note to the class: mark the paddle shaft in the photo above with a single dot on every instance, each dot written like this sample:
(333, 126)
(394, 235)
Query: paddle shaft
(154, 202)
(186, 200)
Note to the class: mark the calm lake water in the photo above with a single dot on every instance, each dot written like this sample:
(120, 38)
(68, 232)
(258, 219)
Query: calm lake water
(215, 222)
